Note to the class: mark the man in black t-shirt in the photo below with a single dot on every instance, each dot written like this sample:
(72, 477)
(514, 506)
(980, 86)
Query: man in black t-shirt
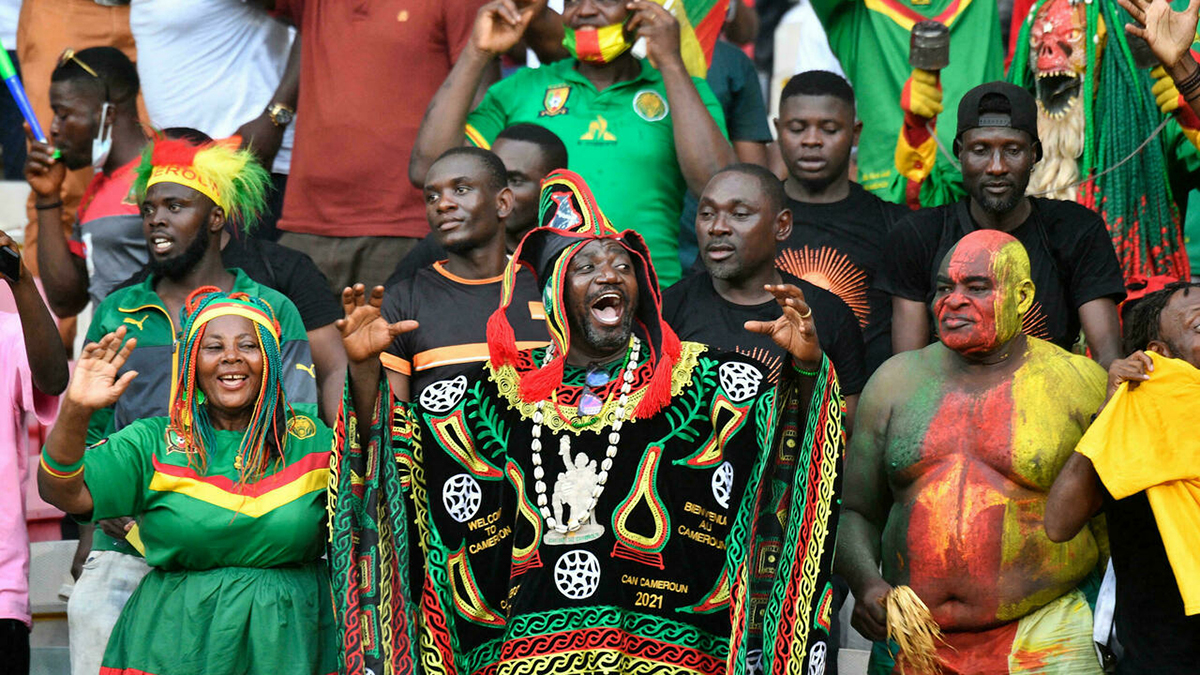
(1075, 270)
(529, 152)
(1155, 631)
(466, 201)
(740, 219)
(839, 229)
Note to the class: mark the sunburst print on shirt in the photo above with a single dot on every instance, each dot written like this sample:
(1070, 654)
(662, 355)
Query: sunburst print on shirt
(831, 270)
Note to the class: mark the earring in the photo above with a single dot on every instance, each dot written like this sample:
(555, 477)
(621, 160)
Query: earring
(200, 398)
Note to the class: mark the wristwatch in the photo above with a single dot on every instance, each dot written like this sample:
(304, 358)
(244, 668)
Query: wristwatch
(281, 115)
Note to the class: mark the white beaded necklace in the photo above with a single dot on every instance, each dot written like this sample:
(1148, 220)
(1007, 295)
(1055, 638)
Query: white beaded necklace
(564, 442)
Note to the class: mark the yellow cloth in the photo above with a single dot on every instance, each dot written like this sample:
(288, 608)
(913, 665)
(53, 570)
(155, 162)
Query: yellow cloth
(1146, 439)
(915, 163)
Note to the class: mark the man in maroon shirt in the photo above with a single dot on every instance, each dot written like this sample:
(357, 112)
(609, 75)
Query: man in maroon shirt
(368, 70)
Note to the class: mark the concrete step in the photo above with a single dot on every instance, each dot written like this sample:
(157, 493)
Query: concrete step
(49, 661)
(852, 661)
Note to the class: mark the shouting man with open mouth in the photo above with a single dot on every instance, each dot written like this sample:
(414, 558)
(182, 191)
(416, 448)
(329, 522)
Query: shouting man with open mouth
(611, 503)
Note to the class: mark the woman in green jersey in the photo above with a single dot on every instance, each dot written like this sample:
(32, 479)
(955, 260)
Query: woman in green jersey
(228, 493)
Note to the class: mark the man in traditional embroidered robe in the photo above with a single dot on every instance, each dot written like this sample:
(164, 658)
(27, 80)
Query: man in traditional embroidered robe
(617, 502)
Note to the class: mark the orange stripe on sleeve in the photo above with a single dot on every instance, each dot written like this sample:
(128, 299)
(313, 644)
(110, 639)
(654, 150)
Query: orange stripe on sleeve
(455, 354)
(395, 363)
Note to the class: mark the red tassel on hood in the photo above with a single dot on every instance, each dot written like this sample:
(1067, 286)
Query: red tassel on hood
(658, 392)
(671, 346)
(502, 342)
(538, 385)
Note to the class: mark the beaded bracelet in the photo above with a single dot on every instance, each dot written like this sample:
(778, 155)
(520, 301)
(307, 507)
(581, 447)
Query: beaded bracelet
(1190, 84)
(61, 471)
(806, 373)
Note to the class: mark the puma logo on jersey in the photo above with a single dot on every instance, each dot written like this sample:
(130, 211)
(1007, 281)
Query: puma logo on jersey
(137, 322)
(308, 369)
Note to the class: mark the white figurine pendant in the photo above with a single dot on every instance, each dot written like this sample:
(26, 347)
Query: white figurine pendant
(574, 497)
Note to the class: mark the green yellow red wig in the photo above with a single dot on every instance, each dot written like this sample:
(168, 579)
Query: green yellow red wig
(231, 177)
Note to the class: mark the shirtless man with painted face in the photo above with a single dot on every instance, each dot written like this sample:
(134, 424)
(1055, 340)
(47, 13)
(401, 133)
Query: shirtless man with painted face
(954, 453)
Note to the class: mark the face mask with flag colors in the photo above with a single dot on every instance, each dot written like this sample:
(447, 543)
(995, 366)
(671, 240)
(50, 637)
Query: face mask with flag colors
(596, 46)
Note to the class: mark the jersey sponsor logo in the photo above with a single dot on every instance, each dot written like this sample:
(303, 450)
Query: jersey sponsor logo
(650, 105)
(831, 270)
(308, 369)
(598, 131)
(301, 427)
(137, 322)
(555, 101)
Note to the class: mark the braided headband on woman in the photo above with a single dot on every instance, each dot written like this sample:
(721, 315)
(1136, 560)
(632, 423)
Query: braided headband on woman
(190, 424)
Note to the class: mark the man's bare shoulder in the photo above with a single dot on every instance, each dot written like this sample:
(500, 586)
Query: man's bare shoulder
(907, 369)
(1069, 372)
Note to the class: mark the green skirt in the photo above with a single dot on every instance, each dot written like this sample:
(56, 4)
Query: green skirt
(228, 620)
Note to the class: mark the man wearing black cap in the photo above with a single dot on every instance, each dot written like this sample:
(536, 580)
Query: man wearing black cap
(1075, 270)
(617, 502)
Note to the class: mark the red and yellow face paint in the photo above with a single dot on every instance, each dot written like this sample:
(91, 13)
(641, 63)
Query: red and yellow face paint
(984, 290)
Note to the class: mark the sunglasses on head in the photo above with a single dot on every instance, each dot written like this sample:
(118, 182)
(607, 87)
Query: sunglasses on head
(68, 55)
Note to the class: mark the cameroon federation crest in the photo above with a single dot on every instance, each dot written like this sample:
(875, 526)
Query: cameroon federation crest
(555, 102)
(650, 105)
(301, 427)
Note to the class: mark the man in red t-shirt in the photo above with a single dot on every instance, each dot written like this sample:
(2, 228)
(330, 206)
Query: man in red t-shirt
(367, 72)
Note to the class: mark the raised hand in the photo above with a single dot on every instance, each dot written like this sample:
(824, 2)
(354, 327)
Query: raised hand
(500, 24)
(43, 172)
(1169, 33)
(795, 331)
(95, 384)
(1134, 369)
(22, 270)
(365, 333)
(659, 28)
